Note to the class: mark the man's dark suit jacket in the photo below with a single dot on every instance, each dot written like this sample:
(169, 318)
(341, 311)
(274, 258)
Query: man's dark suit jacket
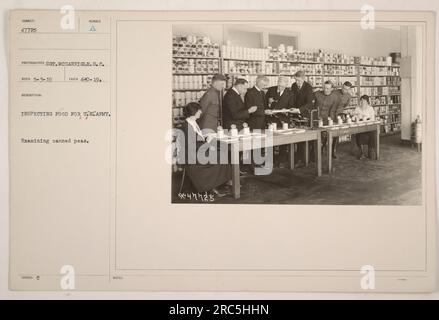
(255, 97)
(234, 110)
(284, 101)
(303, 98)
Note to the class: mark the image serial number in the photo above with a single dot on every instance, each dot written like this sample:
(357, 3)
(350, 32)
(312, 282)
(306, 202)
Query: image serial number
(238, 309)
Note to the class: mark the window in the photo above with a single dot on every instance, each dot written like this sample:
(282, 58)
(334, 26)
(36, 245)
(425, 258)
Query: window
(274, 40)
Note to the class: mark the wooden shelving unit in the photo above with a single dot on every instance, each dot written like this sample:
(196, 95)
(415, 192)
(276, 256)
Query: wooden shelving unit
(184, 88)
(386, 105)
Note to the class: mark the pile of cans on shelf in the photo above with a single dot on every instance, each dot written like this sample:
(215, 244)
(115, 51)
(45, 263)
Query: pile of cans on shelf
(373, 81)
(336, 58)
(194, 46)
(235, 52)
(380, 100)
(394, 90)
(374, 91)
(188, 65)
(374, 71)
(394, 71)
(288, 54)
(181, 99)
(333, 69)
(374, 61)
(191, 82)
(291, 69)
(248, 67)
(394, 81)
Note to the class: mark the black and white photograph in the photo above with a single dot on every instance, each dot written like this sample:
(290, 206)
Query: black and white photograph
(281, 152)
(297, 114)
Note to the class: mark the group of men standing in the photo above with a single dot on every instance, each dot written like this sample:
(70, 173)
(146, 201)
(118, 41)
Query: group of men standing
(255, 106)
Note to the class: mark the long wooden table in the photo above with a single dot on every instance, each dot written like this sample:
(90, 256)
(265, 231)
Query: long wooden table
(278, 139)
(348, 129)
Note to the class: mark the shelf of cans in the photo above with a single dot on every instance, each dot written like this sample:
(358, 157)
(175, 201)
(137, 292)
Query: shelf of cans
(291, 68)
(394, 81)
(342, 70)
(196, 59)
(394, 71)
(374, 61)
(391, 128)
(195, 66)
(315, 81)
(394, 108)
(191, 82)
(392, 118)
(180, 99)
(235, 52)
(380, 110)
(373, 81)
(378, 100)
(394, 99)
(377, 71)
(339, 80)
(194, 46)
(264, 67)
(374, 91)
(248, 67)
(393, 90)
(338, 58)
(288, 54)
(284, 54)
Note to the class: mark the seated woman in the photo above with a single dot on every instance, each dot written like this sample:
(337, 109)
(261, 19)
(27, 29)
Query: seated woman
(364, 112)
(204, 177)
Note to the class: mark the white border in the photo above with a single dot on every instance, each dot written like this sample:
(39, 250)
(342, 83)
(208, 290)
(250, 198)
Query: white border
(5, 5)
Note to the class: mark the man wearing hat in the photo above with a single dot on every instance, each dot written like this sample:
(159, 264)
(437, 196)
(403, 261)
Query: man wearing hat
(210, 103)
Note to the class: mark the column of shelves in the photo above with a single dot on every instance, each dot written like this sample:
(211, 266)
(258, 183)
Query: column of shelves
(191, 77)
(394, 101)
(382, 84)
(193, 71)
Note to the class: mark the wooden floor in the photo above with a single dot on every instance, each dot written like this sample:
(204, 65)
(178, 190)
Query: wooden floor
(393, 180)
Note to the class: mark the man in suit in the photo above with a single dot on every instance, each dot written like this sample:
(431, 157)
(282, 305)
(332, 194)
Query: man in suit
(304, 100)
(234, 110)
(210, 103)
(256, 97)
(280, 97)
(303, 94)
